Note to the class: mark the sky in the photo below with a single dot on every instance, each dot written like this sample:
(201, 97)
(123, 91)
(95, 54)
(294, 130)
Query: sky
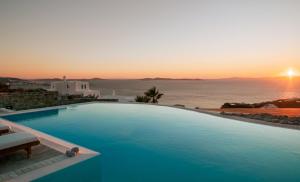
(148, 38)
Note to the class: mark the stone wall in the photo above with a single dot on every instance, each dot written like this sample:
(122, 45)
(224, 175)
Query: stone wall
(31, 99)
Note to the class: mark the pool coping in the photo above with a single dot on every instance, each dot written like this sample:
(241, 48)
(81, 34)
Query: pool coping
(52, 142)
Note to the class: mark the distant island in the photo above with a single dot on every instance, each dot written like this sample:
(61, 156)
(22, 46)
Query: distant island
(159, 78)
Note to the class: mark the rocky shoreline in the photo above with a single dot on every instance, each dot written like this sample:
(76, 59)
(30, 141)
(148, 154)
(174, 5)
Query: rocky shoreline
(281, 103)
(281, 119)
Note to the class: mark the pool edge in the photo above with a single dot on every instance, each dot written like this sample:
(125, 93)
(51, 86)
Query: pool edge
(200, 110)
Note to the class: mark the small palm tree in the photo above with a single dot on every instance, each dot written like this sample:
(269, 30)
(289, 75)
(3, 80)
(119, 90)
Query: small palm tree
(154, 94)
(142, 99)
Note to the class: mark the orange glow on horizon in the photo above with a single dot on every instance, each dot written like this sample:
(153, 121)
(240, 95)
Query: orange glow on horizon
(137, 74)
(31, 67)
(290, 73)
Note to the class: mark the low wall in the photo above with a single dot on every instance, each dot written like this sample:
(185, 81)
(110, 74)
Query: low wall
(35, 99)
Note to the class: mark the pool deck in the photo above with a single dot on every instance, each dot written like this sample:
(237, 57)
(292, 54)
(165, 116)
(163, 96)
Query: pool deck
(17, 164)
(47, 158)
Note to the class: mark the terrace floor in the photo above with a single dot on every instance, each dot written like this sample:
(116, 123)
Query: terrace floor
(16, 164)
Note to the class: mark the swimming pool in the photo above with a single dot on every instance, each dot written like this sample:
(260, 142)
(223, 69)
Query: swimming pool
(156, 143)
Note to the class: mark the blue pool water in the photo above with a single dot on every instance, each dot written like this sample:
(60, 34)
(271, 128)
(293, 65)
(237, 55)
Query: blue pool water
(156, 143)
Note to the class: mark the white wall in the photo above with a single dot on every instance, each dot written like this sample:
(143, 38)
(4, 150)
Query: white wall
(74, 88)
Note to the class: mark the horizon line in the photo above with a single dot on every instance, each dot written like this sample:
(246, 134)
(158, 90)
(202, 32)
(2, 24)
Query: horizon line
(146, 78)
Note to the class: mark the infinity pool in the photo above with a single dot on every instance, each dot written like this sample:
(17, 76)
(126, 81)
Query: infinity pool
(156, 143)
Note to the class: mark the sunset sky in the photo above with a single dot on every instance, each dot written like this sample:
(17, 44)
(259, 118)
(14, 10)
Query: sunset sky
(148, 38)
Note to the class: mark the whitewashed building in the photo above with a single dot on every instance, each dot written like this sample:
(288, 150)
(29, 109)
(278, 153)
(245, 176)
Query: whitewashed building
(66, 87)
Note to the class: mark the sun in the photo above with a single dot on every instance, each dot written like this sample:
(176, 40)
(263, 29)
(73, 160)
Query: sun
(291, 73)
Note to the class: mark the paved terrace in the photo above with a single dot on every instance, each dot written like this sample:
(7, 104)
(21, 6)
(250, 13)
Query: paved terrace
(17, 164)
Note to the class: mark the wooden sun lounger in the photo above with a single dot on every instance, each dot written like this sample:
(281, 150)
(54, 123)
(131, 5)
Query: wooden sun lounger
(17, 141)
(3, 129)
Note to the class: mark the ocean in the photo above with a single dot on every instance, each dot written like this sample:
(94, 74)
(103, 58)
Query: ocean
(204, 93)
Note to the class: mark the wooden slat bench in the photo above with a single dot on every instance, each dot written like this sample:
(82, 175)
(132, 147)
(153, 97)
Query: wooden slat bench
(3, 129)
(17, 141)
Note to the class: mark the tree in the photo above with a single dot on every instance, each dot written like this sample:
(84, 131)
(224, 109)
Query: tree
(154, 94)
(142, 99)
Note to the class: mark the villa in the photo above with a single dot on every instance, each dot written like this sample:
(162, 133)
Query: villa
(156, 91)
(66, 87)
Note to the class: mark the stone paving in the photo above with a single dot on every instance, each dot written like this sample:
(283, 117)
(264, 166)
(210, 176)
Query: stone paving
(17, 164)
